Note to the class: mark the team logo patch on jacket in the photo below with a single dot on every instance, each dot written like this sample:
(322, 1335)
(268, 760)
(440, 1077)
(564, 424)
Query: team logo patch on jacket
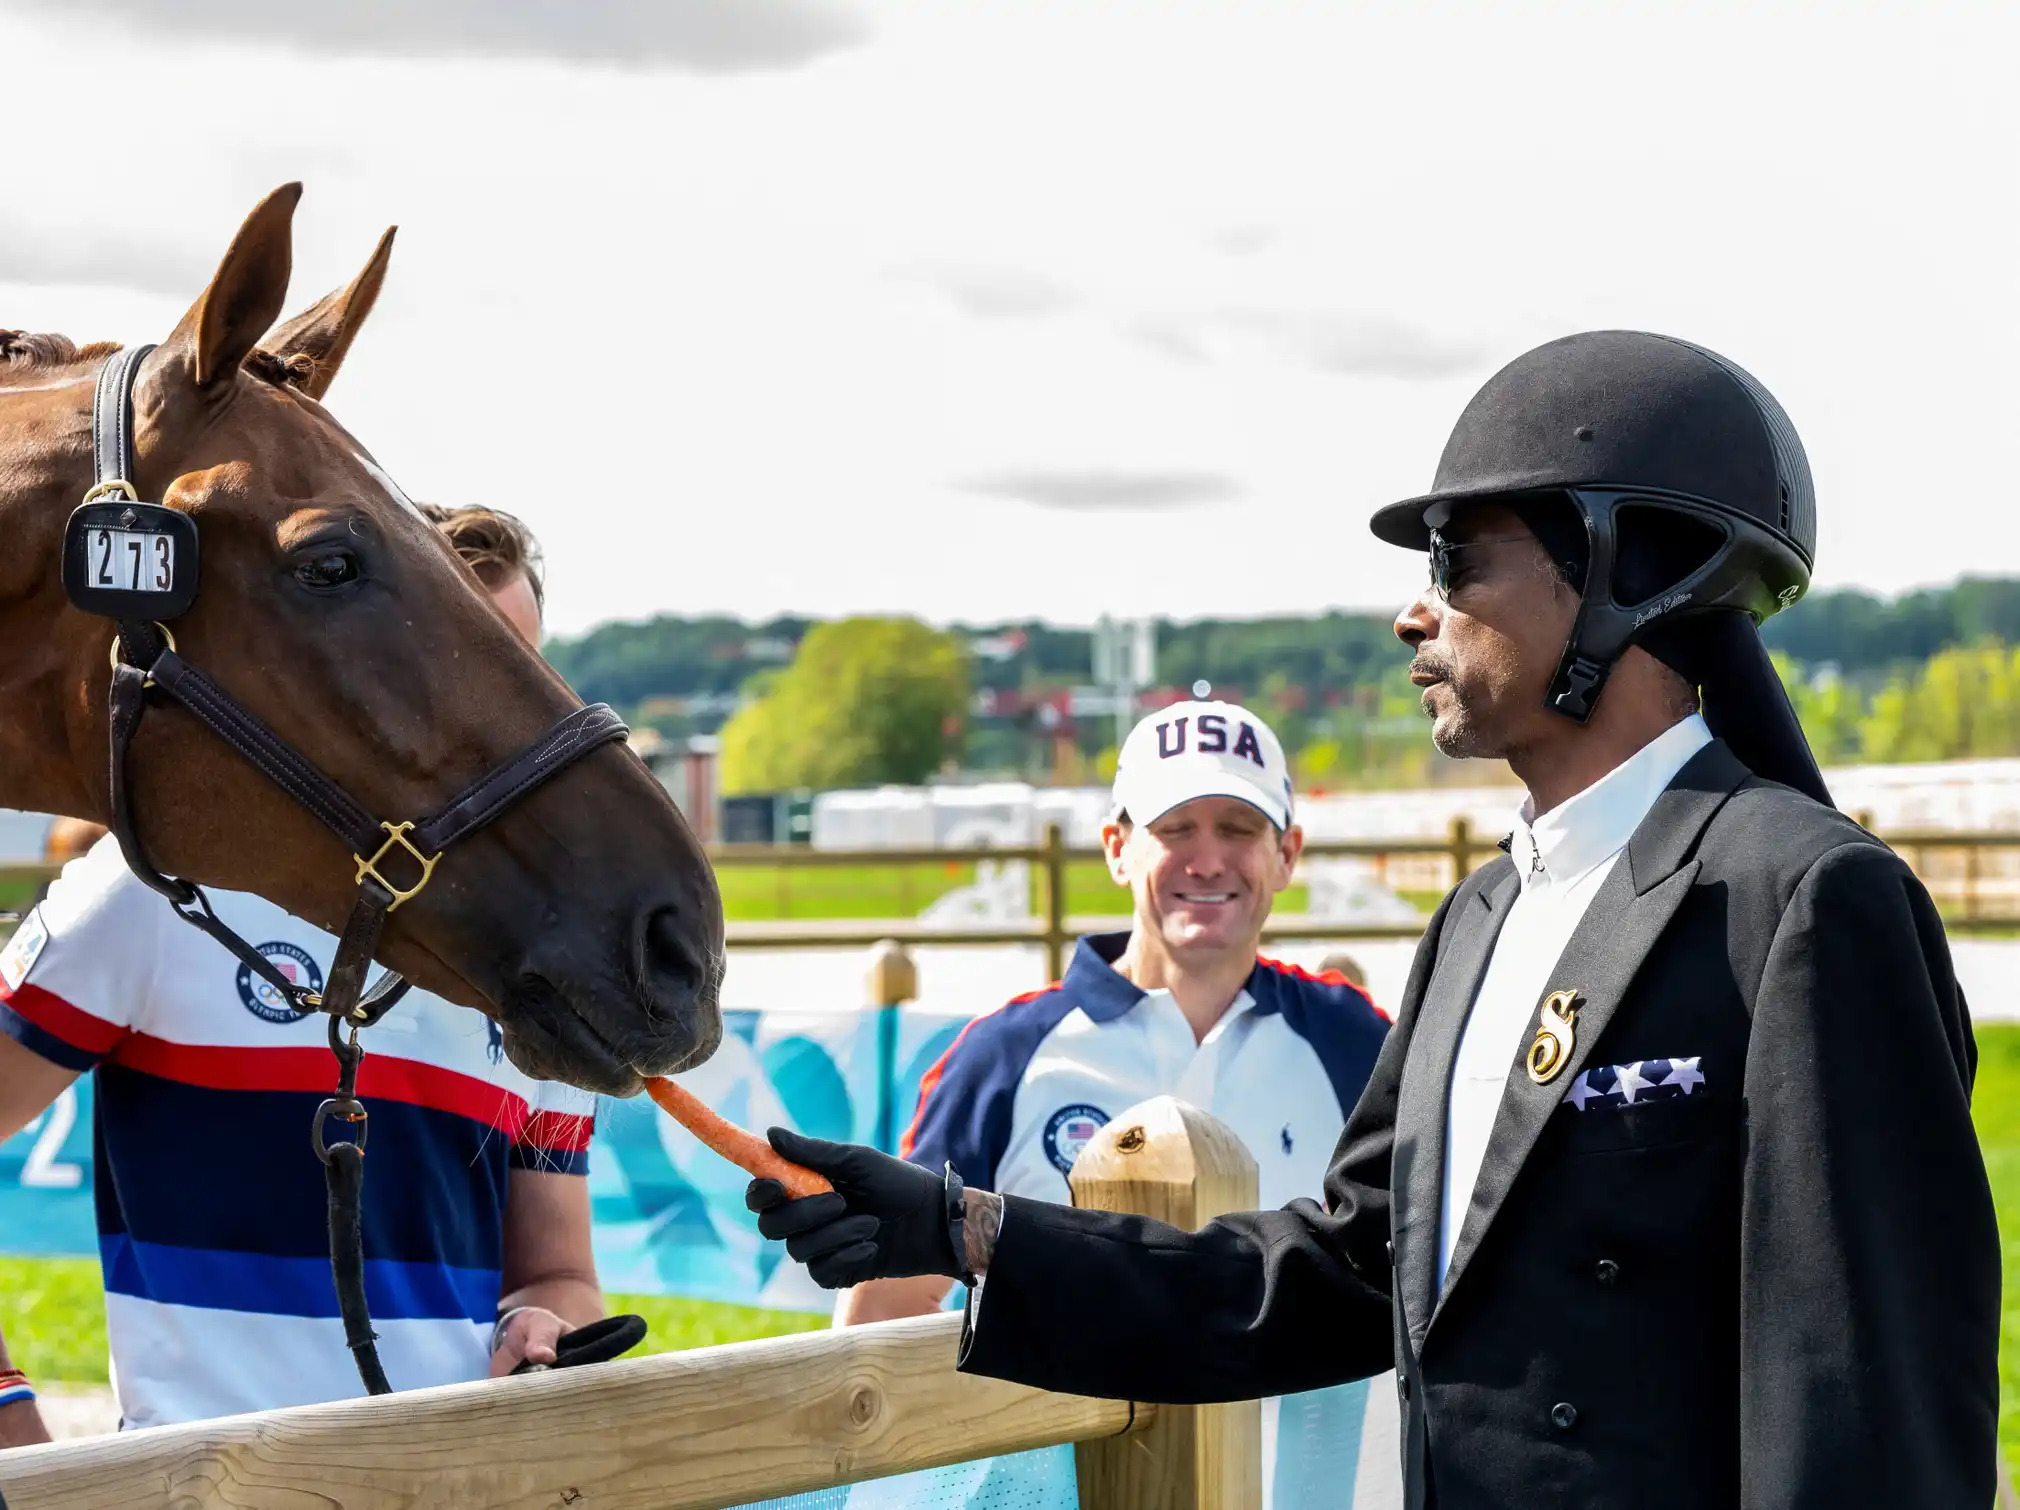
(23, 949)
(1071, 1129)
(1610, 1087)
(295, 966)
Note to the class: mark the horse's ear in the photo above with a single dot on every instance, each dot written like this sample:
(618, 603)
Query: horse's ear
(245, 297)
(323, 332)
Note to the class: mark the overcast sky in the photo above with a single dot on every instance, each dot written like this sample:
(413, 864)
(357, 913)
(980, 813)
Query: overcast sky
(982, 311)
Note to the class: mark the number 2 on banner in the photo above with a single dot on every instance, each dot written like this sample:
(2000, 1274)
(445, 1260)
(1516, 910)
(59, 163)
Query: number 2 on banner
(135, 560)
(41, 1169)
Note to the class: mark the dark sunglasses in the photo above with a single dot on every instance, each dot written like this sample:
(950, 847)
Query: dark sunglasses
(1442, 551)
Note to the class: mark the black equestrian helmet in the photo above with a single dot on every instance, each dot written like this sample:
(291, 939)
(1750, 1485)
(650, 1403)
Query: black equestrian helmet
(1623, 408)
(1698, 520)
(1664, 448)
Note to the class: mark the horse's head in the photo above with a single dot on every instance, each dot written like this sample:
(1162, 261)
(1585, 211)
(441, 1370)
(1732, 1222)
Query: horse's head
(585, 919)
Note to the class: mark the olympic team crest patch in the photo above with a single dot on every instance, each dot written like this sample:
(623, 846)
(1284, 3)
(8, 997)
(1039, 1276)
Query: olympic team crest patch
(22, 950)
(1071, 1129)
(295, 966)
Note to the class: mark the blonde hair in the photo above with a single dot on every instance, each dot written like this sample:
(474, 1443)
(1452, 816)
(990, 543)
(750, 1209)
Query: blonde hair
(493, 544)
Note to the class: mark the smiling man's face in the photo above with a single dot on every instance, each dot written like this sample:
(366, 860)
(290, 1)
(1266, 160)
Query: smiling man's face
(1205, 874)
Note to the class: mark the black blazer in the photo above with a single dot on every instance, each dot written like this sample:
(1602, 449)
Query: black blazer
(1779, 1290)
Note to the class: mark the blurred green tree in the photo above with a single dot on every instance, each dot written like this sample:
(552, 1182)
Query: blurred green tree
(864, 701)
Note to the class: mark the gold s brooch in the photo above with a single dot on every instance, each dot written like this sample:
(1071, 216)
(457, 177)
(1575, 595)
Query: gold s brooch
(1556, 1036)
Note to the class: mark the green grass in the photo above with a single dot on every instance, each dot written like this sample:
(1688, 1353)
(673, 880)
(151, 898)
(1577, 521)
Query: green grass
(677, 1325)
(768, 893)
(774, 893)
(52, 1312)
(1995, 1107)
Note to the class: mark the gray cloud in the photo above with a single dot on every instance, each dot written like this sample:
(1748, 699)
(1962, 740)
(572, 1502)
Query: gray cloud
(1364, 345)
(105, 253)
(1098, 489)
(706, 36)
(999, 293)
(1174, 337)
(1243, 240)
(1359, 345)
(174, 256)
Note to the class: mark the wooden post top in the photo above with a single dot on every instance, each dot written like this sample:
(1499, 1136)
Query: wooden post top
(1167, 1160)
(892, 977)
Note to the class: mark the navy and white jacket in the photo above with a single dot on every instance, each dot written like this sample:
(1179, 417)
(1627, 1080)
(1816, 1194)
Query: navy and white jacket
(1024, 1088)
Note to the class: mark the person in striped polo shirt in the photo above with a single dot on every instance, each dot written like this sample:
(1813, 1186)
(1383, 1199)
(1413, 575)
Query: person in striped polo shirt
(211, 1205)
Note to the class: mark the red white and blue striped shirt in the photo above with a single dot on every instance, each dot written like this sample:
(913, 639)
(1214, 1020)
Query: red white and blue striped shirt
(210, 1202)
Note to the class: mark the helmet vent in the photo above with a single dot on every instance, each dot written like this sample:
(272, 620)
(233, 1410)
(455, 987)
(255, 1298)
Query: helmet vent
(1656, 549)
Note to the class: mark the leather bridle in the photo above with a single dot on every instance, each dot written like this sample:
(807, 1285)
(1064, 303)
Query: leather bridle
(146, 670)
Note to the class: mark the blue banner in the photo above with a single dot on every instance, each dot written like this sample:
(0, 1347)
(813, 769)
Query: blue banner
(45, 1181)
(670, 1220)
(669, 1215)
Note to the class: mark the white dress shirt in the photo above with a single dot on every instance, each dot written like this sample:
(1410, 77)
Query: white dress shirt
(1562, 860)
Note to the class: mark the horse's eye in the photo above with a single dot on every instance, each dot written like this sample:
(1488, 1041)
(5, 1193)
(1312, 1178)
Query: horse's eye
(328, 569)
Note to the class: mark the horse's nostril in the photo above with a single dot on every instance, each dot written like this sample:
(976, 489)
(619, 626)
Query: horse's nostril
(673, 966)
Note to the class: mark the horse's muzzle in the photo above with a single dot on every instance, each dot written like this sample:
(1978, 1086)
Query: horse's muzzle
(606, 1029)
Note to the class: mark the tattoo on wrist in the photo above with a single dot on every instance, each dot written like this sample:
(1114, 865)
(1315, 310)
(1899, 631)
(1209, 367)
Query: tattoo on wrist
(981, 1217)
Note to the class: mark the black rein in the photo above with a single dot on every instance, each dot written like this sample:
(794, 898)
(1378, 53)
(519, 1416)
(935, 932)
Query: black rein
(147, 671)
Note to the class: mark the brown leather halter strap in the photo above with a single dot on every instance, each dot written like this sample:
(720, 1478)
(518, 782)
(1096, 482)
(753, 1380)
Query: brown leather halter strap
(146, 671)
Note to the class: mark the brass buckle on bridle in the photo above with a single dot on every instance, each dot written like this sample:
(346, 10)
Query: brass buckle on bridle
(111, 486)
(396, 837)
(167, 639)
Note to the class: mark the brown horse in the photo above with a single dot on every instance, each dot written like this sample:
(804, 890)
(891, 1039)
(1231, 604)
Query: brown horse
(586, 919)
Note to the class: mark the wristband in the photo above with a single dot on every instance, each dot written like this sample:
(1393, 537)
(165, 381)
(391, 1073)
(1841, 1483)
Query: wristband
(15, 1388)
(498, 1328)
(957, 1211)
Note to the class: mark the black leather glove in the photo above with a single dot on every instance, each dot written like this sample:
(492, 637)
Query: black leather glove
(598, 1342)
(885, 1219)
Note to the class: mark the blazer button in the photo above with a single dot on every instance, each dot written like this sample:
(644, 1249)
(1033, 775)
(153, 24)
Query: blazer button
(1607, 1272)
(1563, 1415)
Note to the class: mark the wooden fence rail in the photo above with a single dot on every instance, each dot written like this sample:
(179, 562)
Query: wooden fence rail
(1974, 877)
(680, 1431)
(711, 1428)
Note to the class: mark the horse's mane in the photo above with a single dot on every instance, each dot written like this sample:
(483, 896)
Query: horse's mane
(26, 353)
(45, 354)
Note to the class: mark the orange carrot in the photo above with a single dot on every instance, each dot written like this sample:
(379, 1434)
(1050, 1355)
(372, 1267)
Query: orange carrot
(747, 1151)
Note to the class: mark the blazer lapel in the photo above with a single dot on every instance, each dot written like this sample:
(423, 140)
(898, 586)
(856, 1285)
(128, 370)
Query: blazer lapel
(1627, 916)
(1419, 1158)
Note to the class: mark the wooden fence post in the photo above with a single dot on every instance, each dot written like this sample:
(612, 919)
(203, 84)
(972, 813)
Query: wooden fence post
(1055, 903)
(891, 981)
(1171, 1161)
(1462, 849)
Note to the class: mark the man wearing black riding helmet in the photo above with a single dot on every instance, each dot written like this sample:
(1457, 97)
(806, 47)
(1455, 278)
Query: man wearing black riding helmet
(1664, 1190)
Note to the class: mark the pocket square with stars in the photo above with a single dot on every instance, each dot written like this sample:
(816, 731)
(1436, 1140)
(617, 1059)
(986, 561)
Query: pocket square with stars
(1615, 1087)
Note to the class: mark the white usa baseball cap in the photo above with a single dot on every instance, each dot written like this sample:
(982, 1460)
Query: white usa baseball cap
(1193, 750)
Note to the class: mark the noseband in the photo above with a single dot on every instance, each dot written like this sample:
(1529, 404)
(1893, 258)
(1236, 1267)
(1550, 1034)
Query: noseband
(137, 564)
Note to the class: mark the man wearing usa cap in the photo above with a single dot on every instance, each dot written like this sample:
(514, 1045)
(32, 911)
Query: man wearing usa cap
(1202, 832)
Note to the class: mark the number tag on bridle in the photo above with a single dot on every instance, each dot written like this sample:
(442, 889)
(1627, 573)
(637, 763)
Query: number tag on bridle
(129, 560)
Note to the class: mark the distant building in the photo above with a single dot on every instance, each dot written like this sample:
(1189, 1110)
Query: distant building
(689, 770)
